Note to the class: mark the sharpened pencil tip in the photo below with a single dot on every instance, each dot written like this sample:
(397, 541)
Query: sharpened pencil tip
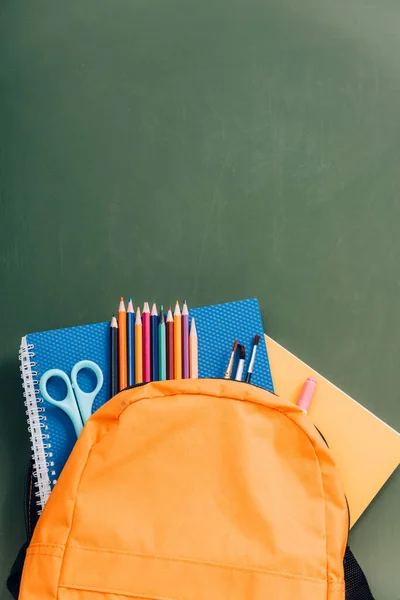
(114, 322)
(193, 330)
(121, 305)
(146, 307)
(154, 311)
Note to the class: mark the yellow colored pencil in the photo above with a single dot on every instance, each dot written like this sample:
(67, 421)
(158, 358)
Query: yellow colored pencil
(138, 348)
(193, 352)
(177, 342)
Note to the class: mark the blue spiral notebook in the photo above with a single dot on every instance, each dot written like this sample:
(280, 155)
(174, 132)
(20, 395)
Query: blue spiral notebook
(51, 430)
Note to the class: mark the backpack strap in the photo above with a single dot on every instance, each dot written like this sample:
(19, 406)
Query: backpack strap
(14, 579)
(357, 587)
(31, 518)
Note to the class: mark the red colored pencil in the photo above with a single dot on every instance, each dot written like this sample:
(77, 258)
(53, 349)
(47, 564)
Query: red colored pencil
(146, 342)
(170, 344)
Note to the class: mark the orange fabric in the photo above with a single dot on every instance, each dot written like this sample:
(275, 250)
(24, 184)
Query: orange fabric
(193, 490)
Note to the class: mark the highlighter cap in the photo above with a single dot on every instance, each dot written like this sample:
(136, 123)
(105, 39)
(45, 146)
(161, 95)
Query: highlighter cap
(307, 394)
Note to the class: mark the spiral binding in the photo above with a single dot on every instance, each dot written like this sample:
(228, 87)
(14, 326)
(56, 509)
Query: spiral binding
(36, 423)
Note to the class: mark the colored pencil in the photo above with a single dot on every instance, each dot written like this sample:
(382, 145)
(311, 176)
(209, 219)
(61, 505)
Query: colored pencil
(228, 372)
(114, 356)
(154, 343)
(130, 329)
(252, 359)
(177, 342)
(170, 344)
(123, 375)
(138, 348)
(185, 341)
(162, 348)
(146, 342)
(240, 367)
(193, 351)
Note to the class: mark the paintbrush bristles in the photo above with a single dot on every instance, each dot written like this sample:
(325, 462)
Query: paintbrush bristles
(229, 368)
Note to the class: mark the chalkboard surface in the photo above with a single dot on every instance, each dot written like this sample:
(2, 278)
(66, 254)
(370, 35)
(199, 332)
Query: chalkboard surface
(212, 150)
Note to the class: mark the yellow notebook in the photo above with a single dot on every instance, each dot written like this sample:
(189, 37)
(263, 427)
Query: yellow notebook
(366, 450)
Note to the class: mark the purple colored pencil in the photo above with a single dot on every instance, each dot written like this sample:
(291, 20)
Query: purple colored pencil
(185, 342)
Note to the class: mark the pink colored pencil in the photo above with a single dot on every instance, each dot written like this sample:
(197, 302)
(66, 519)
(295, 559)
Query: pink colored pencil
(146, 342)
(193, 351)
(185, 342)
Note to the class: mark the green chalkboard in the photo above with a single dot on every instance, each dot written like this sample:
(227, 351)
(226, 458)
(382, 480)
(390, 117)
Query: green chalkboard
(212, 150)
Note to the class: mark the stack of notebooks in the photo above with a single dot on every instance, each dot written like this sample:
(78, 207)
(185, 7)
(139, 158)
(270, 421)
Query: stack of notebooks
(365, 460)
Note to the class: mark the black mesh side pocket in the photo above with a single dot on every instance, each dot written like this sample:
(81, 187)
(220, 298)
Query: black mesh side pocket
(357, 587)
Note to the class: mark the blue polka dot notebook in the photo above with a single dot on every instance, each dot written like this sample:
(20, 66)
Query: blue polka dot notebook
(52, 433)
(218, 326)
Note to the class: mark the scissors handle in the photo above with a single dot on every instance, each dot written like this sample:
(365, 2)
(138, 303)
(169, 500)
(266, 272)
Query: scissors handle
(85, 399)
(68, 404)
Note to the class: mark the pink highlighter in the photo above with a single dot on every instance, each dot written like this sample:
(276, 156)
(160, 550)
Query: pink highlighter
(307, 394)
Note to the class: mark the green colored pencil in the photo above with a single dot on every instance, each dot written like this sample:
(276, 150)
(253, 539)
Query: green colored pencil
(162, 348)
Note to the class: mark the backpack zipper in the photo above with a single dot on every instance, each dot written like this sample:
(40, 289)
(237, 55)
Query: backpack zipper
(30, 516)
(345, 497)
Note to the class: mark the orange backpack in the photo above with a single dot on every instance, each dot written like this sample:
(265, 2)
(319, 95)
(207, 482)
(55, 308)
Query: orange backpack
(193, 490)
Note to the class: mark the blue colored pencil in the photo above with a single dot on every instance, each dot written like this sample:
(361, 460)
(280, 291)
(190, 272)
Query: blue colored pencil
(154, 343)
(130, 333)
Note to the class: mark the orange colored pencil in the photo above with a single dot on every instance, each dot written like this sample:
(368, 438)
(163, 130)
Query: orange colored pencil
(177, 342)
(122, 363)
(193, 351)
(138, 348)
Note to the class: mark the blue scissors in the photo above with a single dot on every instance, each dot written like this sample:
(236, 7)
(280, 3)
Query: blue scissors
(77, 404)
